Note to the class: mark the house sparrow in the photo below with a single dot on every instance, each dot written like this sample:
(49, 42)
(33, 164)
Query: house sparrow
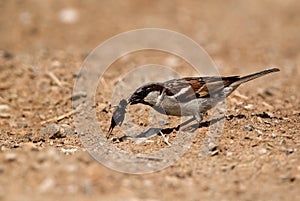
(189, 96)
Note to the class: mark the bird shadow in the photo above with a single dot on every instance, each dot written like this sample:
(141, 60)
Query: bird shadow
(193, 126)
(165, 131)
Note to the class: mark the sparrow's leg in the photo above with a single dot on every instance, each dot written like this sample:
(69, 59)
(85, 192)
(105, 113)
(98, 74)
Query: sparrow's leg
(198, 117)
(166, 139)
(186, 125)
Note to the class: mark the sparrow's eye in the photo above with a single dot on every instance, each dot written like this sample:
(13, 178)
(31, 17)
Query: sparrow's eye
(141, 92)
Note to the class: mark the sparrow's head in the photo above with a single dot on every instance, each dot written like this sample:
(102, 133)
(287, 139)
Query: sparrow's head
(146, 94)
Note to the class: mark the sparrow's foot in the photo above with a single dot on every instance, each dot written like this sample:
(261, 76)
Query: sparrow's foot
(166, 139)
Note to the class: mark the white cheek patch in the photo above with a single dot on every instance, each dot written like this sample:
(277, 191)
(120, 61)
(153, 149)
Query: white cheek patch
(182, 91)
(161, 97)
(152, 97)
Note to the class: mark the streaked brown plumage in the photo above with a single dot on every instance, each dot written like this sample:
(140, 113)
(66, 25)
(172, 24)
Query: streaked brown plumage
(190, 96)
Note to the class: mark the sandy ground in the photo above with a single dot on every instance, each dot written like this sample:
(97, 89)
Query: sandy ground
(43, 45)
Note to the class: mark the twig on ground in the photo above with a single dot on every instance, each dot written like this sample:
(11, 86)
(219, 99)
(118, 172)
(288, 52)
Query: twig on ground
(59, 118)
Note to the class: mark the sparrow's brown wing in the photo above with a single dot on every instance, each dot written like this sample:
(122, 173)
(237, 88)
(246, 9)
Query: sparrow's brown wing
(190, 88)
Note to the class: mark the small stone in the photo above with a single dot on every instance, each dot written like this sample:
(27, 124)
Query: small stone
(214, 153)
(29, 145)
(163, 122)
(274, 134)
(249, 107)
(297, 112)
(86, 186)
(229, 153)
(68, 151)
(249, 127)
(68, 15)
(172, 181)
(4, 115)
(6, 55)
(68, 129)
(4, 108)
(55, 64)
(42, 117)
(71, 168)
(270, 114)
(47, 185)
(10, 157)
(22, 124)
(54, 131)
(268, 92)
(289, 151)
(262, 151)
(4, 111)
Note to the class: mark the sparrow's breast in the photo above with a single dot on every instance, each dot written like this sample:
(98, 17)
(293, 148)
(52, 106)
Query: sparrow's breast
(190, 108)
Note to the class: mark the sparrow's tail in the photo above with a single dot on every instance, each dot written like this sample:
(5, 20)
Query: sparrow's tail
(253, 76)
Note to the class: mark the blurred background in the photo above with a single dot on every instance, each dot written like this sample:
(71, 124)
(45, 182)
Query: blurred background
(258, 31)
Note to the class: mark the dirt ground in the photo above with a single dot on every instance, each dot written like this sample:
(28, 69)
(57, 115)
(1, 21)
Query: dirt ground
(43, 45)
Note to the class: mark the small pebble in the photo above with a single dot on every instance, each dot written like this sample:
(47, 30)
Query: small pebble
(71, 168)
(29, 145)
(68, 15)
(56, 64)
(10, 157)
(274, 134)
(172, 181)
(4, 107)
(87, 186)
(249, 107)
(229, 153)
(268, 92)
(214, 153)
(270, 114)
(4, 115)
(68, 151)
(262, 151)
(47, 185)
(68, 129)
(6, 55)
(4, 111)
(22, 124)
(289, 151)
(56, 131)
(163, 122)
(249, 127)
